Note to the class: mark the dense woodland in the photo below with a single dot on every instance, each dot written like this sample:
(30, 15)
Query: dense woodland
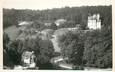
(92, 48)
(76, 15)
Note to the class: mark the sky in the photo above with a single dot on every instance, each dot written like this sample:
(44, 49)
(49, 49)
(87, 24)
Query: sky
(49, 4)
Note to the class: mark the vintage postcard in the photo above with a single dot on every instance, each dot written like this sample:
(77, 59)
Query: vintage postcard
(58, 35)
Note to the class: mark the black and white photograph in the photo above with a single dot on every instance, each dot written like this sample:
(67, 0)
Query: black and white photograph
(57, 35)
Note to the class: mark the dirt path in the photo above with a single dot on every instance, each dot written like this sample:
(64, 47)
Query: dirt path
(55, 44)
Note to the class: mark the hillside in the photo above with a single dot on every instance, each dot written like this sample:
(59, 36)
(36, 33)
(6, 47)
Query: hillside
(12, 32)
(76, 14)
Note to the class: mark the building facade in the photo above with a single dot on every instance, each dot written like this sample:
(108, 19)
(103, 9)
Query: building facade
(94, 21)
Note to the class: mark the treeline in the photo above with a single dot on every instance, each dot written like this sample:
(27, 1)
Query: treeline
(76, 14)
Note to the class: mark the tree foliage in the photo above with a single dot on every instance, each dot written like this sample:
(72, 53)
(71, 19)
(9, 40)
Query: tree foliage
(72, 46)
(91, 48)
(43, 49)
(98, 49)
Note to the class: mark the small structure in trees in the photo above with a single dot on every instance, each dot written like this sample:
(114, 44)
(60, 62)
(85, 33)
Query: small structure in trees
(22, 24)
(28, 59)
(60, 21)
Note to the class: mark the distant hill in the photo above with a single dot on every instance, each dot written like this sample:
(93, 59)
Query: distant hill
(78, 15)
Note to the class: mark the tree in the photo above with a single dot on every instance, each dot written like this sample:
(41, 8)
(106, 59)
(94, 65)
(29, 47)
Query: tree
(6, 40)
